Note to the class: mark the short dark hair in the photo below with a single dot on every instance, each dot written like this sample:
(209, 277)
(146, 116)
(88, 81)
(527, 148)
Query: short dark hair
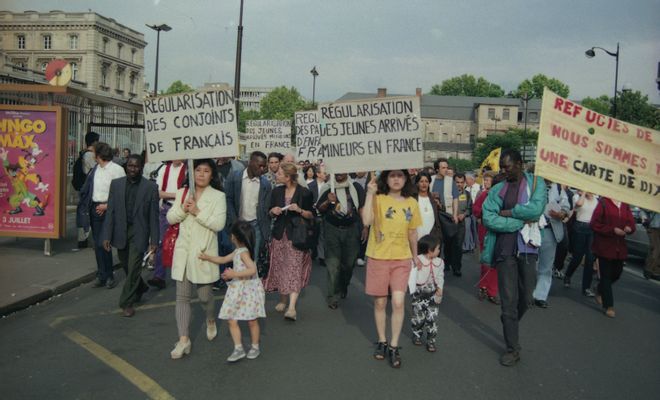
(436, 164)
(103, 151)
(258, 154)
(459, 175)
(407, 190)
(277, 155)
(215, 181)
(513, 154)
(91, 138)
(244, 234)
(427, 243)
(127, 149)
(135, 157)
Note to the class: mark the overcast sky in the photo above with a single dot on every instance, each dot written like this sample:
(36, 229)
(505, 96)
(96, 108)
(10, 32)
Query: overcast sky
(361, 45)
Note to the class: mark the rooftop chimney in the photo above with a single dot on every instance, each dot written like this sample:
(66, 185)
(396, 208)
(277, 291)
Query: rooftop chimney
(418, 92)
(382, 92)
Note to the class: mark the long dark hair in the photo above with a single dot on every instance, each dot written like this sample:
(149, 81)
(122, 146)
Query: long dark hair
(244, 234)
(215, 181)
(407, 190)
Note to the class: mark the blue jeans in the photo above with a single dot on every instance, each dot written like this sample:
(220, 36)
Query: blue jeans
(545, 264)
(258, 240)
(103, 258)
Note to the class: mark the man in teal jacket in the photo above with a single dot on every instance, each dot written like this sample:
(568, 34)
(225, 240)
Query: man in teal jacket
(510, 205)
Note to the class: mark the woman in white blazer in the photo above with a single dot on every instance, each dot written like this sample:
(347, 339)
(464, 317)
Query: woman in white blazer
(200, 218)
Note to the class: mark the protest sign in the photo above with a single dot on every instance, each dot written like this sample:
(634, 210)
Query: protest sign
(32, 177)
(596, 153)
(308, 135)
(191, 125)
(376, 134)
(267, 135)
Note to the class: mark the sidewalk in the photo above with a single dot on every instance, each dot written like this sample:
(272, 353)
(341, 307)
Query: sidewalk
(27, 276)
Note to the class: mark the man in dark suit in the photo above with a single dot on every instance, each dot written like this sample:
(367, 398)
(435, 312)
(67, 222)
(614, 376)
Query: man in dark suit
(131, 225)
(248, 198)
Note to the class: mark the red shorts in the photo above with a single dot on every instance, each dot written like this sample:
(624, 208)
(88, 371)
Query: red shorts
(384, 274)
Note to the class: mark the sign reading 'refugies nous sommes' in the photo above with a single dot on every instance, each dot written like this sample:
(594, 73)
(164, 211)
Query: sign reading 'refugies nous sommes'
(377, 134)
(267, 135)
(191, 125)
(597, 153)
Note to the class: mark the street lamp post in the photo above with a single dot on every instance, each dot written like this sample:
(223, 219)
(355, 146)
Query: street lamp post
(314, 73)
(590, 53)
(237, 68)
(158, 28)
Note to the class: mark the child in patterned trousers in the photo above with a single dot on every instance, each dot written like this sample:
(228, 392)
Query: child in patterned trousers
(426, 293)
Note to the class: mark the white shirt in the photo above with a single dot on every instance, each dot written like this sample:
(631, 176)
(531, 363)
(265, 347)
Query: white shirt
(172, 180)
(586, 210)
(249, 197)
(428, 218)
(102, 178)
(474, 191)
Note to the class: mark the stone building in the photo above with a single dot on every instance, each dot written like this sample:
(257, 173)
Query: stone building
(454, 123)
(106, 57)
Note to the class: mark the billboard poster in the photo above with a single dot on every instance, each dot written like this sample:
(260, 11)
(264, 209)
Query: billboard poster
(31, 192)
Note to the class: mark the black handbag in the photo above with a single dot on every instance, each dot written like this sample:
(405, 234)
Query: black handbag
(263, 261)
(449, 228)
(303, 233)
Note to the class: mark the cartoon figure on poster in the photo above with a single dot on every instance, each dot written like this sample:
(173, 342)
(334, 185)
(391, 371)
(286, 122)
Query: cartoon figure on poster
(20, 174)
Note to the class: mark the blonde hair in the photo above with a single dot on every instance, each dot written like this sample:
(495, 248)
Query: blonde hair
(290, 170)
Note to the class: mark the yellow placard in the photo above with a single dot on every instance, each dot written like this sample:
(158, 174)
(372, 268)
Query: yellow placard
(597, 153)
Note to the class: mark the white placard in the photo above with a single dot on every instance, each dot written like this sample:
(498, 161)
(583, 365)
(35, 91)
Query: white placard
(267, 135)
(191, 126)
(308, 135)
(377, 134)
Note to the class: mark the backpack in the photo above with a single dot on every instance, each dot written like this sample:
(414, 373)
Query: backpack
(79, 175)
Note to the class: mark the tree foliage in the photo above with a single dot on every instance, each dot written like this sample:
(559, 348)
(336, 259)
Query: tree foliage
(281, 104)
(601, 104)
(179, 87)
(461, 165)
(534, 87)
(514, 138)
(467, 85)
(245, 116)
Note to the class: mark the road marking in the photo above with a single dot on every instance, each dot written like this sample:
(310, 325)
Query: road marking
(57, 321)
(134, 375)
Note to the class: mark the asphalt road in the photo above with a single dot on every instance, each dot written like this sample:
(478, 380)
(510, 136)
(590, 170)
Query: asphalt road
(77, 346)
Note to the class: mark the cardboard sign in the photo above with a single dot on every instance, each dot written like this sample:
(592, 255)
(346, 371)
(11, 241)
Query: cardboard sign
(596, 153)
(308, 135)
(377, 134)
(267, 135)
(191, 126)
(32, 176)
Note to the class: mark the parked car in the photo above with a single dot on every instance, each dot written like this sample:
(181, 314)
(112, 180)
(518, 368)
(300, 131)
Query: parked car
(638, 242)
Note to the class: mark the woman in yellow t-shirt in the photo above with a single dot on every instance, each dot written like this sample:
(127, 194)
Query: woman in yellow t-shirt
(393, 215)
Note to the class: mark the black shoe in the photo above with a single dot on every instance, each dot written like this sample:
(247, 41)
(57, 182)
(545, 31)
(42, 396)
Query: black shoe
(510, 358)
(157, 283)
(128, 312)
(494, 300)
(98, 284)
(458, 273)
(430, 347)
(541, 303)
(394, 357)
(380, 351)
(417, 341)
(483, 294)
(110, 283)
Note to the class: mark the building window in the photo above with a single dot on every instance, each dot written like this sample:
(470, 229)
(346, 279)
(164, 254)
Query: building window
(74, 71)
(533, 116)
(505, 114)
(43, 67)
(120, 79)
(459, 138)
(105, 45)
(20, 42)
(104, 76)
(133, 51)
(132, 80)
(48, 42)
(73, 42)
(119, 46)
(491, 113)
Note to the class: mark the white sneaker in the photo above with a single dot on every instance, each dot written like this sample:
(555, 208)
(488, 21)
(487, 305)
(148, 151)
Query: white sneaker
(211, 331)
(253, 353)
(180, 349)
(236, 355)
(360, 262)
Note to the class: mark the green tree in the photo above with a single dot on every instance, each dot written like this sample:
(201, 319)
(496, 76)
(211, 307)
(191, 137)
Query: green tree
(461, 165)
(513, 139)
(467, 85)
(245, 116)
(601, 104)
(633, 107)
(281, 104)
(534, 87)
(179, 87)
